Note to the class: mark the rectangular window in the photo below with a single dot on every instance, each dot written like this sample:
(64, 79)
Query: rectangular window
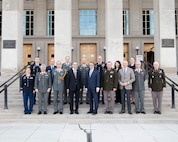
(0, 23)
(148, 22)
(125, 22)
(28, 23)
(50, 23)
(88, 22)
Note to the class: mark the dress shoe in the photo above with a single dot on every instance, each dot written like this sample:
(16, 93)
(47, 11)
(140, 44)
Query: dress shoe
(65, 103)
(55, 112)
(90, 112)
(25, 112)
(129, 112)
(137, 112)
(155, 112)
(45, 112)
(110, 112)
(121, 112)
(39, 112)
(106, 112)
(29, 112)
(143, 112)
(71, 112)
(87, 102)
(61, 112)
(81, 102)
(76, 112)
(159, 112)
(94, 113)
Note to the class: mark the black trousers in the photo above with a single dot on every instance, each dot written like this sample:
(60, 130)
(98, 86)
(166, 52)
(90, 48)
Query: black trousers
(72, 93)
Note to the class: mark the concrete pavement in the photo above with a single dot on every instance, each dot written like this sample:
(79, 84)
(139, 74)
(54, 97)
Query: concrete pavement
(46, 132)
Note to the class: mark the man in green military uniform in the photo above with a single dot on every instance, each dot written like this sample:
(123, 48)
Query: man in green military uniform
(109, 81)
(156, 84)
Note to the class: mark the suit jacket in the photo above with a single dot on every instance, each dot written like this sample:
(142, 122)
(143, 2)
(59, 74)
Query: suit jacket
(129, 77)
(138, 84)
(72, 82)
(93, 81)
(43, 82)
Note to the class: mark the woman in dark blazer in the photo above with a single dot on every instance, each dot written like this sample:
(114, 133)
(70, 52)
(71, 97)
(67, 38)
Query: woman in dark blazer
(117, 67)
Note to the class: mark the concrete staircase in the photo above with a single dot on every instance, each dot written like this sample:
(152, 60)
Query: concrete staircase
(14, 113)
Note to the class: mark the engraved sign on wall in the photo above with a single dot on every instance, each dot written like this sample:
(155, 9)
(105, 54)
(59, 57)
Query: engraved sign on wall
(168, 43)
(9, 43)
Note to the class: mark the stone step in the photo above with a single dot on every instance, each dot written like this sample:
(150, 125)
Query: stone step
(14, 113)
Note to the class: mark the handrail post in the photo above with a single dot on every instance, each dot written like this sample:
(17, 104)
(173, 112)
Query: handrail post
(20, 77)
(5, 97)
(173, 96)
(89, 137)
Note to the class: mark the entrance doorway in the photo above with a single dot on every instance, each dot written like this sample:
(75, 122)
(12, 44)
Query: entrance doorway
(149, 52)
(126, 51)
(50, 52)
(88, 51)
(27, 53)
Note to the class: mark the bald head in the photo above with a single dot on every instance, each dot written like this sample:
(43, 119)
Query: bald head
(156, 65)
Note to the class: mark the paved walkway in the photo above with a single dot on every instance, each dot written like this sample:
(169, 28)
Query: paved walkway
(100, 132)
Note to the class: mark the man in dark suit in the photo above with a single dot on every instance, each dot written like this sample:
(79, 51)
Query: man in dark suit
(126, 78)
(92, 86)
(74, 86)
(50, 69)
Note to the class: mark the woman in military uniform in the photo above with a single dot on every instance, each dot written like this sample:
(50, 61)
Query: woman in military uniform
(27, 87)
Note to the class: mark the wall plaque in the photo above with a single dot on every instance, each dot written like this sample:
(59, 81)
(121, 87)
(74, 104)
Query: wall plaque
(167, 42)
(9, 43)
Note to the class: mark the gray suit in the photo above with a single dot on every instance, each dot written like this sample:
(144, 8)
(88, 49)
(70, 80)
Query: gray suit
(129, 77)
(139, 90)
(42, 83)
(58, 88)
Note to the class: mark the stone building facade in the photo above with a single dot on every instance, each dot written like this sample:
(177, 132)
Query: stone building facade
(114, 29)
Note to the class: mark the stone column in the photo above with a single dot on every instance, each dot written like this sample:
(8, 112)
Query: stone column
(164, 11)
(40, 30)
(63, 25)
(114, 30)
(12, 36)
